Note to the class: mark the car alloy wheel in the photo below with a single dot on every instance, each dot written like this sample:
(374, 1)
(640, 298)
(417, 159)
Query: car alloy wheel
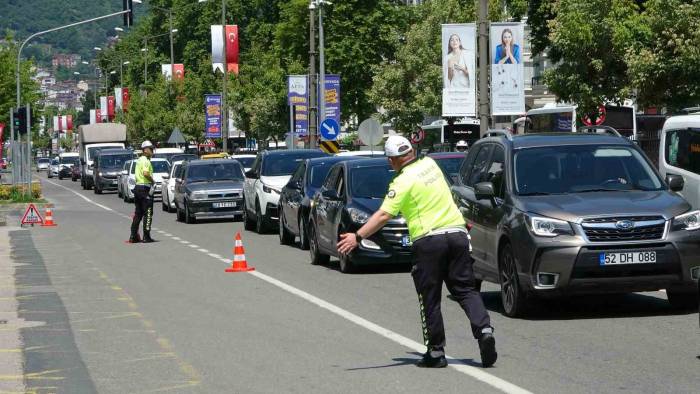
(303, 235)
(316, 256)
(259, 220)
(511, 295)
(286, 237)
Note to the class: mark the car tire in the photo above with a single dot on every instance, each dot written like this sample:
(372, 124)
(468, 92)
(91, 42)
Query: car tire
(97, 190)
(178, 214)
(683, 300)
(260, 224)
(316, 256)
(248, 223)
(303, 234)
(60, 178)
(189, 219)
(165, 207)
(286, 238)
(119, 192)
(346, 264)
(512, 296)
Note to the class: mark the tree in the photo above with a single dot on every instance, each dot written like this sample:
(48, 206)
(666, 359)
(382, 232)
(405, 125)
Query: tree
(8, 86)
(664, 61)
(589, 42)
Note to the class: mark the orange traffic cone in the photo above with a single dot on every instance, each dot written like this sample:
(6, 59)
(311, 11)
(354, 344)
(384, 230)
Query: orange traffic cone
(239, 263)
(48, 219)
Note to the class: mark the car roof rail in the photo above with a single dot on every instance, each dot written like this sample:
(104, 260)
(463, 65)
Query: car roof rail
(599, 129)
(498, 133)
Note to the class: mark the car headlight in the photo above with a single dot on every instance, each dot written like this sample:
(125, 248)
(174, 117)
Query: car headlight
(548, 227)
(198, 196)
(131, 181)
(358, 216)
(688, 221)
(366, 243)
(268, 189)
(99, 173)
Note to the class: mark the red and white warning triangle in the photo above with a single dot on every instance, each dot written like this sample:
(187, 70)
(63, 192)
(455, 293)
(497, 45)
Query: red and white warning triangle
(32, 216)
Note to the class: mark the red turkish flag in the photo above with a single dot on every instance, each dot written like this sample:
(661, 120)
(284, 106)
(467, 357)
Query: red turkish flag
(69, 122)
(60, 123)
(179, 70)
(232, 48)
(125, 99)
(110, 107)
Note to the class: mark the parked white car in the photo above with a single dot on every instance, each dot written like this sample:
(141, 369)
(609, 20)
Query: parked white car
(122, 179)
(169, 186)
(245, 160)
(160, 167)
(264, 182)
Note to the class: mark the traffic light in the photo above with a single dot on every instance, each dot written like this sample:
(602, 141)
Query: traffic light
(19, 118)
(127, 5)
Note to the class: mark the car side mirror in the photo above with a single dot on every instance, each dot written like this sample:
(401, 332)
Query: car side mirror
(166, 177)
(484, 191)
(296, 185)
(178, 180)
(330, 194)
(675, 182)
(251, 174)
(82, 162)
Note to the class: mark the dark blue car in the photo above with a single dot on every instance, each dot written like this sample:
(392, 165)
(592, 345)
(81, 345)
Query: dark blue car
(296, 196)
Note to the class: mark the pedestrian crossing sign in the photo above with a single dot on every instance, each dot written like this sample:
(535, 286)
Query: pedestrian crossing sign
(32, 216)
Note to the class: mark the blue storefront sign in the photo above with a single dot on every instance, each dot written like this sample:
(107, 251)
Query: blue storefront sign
(212, 116)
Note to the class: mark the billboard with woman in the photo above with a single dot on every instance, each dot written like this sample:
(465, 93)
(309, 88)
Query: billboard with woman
(507, 84)
(458, 70)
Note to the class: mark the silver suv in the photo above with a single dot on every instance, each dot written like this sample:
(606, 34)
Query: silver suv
(576, 213)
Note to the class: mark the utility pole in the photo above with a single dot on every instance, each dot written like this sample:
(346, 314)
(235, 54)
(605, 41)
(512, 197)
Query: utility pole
(224, 108)
(145, 61)
(484, 110)
(172, 53)
(313, 129)
(321, 65)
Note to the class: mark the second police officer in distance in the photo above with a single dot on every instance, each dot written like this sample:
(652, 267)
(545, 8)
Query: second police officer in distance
(143, 194)
(440, 248)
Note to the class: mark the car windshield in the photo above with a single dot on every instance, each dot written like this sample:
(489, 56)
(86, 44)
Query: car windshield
(246, 162)
(70, 160)
(449, 165)
(370, 182)
(215, 172)
(580, 169)
(160, 166)
(284, 165)
(182, 156)
(54, 162)
(166, 156)
(114, 161)
(318, 174)
(44, 161)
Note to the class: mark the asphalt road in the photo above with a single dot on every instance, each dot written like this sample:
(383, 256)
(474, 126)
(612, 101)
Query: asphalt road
(119, 318)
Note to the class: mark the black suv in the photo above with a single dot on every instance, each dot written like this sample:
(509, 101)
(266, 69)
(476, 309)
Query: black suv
(575, 213)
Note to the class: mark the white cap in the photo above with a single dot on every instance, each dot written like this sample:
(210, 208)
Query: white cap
(462, 143)
(146, 144)
(397, 145)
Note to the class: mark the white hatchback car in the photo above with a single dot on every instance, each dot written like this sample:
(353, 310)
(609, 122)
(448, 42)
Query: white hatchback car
(160, 167)
(169, 186)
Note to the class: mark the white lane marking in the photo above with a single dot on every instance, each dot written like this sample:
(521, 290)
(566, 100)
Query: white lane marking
(458, 365)
(166, 234)
(193, 246)
(476, 373)
(81, 196)
(176, 238)
(203, 250)
(214, 255)
(182, 241)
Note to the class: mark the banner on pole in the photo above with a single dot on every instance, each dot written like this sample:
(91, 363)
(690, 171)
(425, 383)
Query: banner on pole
(331, 95)
(118, 98)
(125, 99)
(212, 116)
(232, 48)
(110, 107)
(103, 109)
(507, 69)
(298, 98)
(459, 70)
(93, 118)
(217, 48)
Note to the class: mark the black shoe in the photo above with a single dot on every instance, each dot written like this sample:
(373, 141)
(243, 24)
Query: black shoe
(134, 240)
(432, 362)
(148, 240)
(487, 346)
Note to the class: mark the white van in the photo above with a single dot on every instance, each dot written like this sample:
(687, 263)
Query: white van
(167, 153)
(679, 153)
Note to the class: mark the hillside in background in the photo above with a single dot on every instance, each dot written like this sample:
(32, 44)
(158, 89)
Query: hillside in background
(23, 17)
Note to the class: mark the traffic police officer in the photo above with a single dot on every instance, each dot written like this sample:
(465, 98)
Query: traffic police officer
(143, 194)
(462, 146)
(440, 248)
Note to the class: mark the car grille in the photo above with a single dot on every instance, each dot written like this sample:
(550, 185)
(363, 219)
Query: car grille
(224, 195)
(605, 229)
(393, 234)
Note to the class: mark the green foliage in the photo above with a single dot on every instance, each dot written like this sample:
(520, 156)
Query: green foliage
(8, 86)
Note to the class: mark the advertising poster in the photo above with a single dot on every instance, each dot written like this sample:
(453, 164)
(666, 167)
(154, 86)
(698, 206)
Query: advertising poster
(459, 70)
(332, 97)
(212, 116)
(298, 99)
(507, 70)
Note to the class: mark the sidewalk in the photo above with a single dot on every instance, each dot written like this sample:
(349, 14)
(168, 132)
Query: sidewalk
(12, 377)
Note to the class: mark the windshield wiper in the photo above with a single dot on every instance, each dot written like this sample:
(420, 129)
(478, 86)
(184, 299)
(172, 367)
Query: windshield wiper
(601, 190)
(199, 181)
(536, 194)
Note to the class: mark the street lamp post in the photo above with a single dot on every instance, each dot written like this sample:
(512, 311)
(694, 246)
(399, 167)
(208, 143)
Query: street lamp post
(313, 130)
(321, 61)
